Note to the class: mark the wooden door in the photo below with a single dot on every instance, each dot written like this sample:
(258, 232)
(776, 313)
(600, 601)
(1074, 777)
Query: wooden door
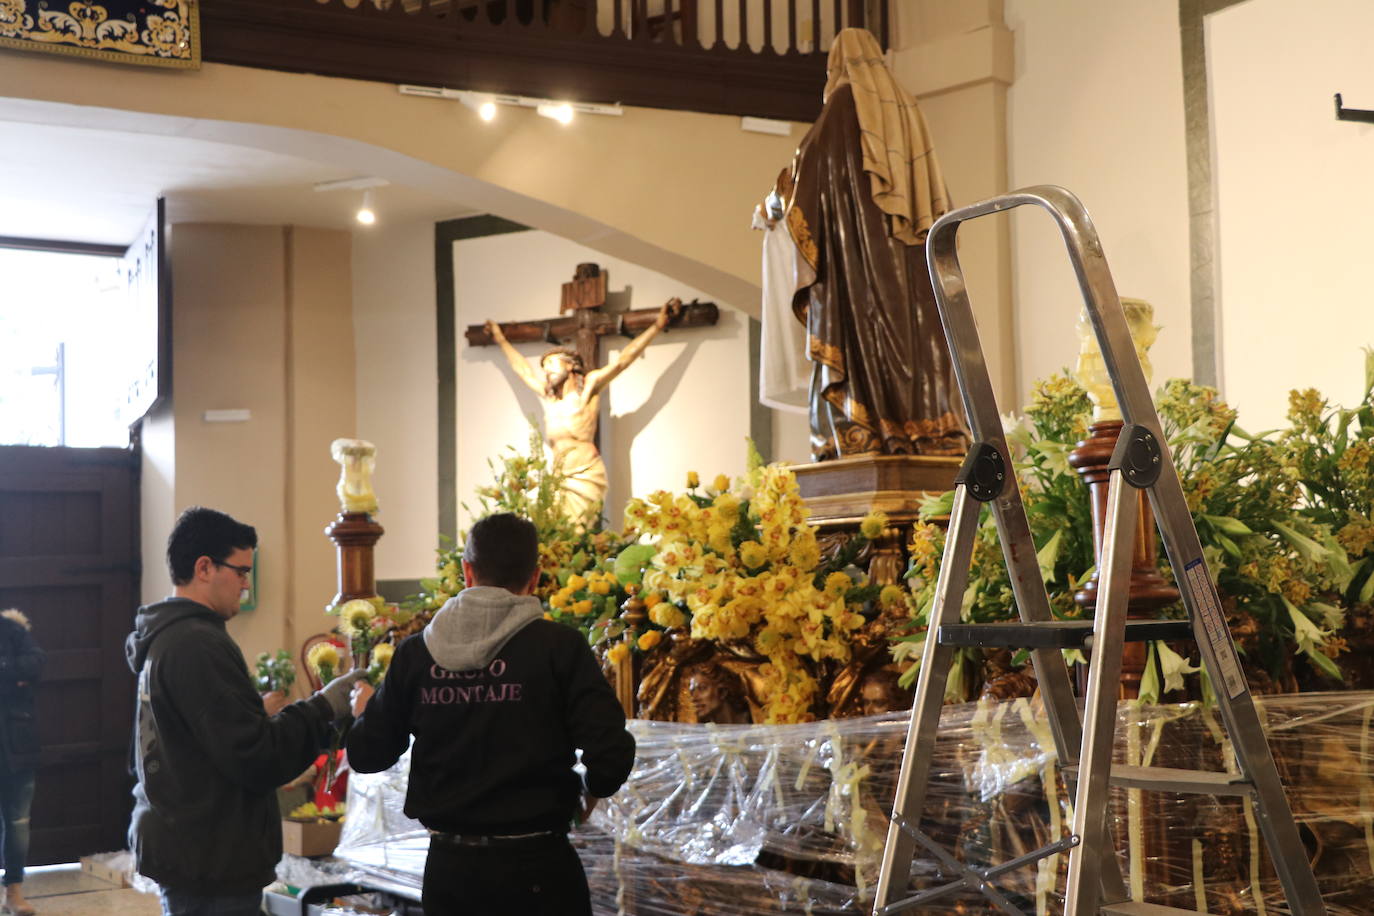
(69, 559)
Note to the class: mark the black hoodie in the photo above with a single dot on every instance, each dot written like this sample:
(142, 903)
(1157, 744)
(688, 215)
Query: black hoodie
(207, 756)
(498, 700)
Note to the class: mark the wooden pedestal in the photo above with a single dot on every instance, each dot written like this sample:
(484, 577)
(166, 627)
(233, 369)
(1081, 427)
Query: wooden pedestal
(840, 493)
(354, 534)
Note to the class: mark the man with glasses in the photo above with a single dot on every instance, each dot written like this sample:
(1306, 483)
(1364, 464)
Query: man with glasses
(208, 758)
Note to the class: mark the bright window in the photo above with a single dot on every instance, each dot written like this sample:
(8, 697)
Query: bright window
(67, 341)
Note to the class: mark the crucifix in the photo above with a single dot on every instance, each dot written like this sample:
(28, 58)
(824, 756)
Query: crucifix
(569, 381)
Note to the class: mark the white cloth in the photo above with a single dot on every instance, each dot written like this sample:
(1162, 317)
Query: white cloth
(784, 369)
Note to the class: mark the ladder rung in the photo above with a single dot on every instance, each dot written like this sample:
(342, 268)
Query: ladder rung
(1054, 634)
(1169, 779)
(1134, 908)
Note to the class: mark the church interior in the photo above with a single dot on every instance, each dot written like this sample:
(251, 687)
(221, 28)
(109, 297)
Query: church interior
(326, 221)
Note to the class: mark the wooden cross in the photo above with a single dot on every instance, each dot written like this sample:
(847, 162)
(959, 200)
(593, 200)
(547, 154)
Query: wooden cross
(584, 296)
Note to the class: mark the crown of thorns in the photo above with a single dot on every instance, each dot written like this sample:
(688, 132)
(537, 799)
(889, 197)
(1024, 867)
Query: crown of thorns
(572, 355)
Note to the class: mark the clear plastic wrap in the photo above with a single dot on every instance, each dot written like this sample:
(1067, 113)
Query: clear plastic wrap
(752, 819)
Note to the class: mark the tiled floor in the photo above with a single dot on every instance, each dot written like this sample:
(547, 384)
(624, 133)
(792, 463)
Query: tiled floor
(65, 890)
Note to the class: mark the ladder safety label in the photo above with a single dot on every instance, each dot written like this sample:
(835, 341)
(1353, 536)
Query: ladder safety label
(1208, 607)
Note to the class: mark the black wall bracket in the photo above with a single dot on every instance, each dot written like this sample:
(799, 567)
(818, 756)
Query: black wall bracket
(1352, 114)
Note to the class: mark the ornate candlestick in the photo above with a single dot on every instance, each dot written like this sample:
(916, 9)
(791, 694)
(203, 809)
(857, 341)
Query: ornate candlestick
(354, 532)
(1149, 591)
(635, 615)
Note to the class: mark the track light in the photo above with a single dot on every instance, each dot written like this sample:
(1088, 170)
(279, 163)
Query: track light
(366, 215)
(561, 112)
(485, 104)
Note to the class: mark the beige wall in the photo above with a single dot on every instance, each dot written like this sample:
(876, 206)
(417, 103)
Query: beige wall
(261, 322)
(1097, 107)
(397, 370)
(669, 190)
(1294, 202)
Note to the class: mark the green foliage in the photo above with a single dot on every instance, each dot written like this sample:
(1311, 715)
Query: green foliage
(275, 672)
(1284, 519)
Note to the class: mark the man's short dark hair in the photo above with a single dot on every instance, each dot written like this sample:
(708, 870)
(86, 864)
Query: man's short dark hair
(503, 550)
(202, 532)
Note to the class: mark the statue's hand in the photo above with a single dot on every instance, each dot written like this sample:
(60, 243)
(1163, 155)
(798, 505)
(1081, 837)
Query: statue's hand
(670, 311)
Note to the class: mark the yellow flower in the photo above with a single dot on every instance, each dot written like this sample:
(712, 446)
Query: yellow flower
(548, 616)
(559, 599)
(804, 553)
(752, 554)
(323, 658)
(576, 582)
(667, 615)
(382, 653)
(650, 639)
(582, 608)
(727, 504)
(652, 599)
(355, 616)
(693, 481)
(890, 596)
(873, 524)
(618, 652)
(600, 587)
(837, 583)
(721, 483)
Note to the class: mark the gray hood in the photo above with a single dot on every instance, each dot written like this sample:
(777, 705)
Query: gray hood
(154, 619)
(471, 627)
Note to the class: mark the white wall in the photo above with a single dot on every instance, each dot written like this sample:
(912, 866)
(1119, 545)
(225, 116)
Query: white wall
(1295, 203)
(1097, 107)
(683, 406)
(393, 315)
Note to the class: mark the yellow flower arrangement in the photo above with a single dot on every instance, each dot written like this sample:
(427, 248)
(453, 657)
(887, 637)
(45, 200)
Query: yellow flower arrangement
(618, 652)
(649, 639)
(737, 569)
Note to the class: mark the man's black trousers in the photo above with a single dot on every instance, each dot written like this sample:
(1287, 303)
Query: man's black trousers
(541, 876)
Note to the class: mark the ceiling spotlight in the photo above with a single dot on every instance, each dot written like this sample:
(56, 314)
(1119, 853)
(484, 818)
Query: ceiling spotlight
(487, 110)
(561, 112)
(366, 215)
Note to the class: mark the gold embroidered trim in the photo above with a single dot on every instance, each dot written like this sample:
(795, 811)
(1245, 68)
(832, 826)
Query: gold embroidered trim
(801, 234)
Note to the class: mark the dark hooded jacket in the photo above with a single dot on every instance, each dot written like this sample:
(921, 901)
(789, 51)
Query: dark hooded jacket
(207, 756)
(498, 699)
(21, 664)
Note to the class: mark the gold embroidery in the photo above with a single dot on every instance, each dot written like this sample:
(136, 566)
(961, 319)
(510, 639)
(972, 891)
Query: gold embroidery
(824, 353)
(169, 38)
(801, 234)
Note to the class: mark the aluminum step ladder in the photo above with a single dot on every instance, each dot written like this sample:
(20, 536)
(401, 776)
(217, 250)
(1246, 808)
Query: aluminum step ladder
(1084, 748)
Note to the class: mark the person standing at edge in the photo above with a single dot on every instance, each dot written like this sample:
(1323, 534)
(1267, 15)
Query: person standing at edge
(21, 663)
(498, 700)
(208, 758)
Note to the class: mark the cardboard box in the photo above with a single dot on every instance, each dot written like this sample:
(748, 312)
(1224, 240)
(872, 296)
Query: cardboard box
(310, 838)
(99, 868)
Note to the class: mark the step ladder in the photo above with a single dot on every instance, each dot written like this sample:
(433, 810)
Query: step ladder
(1084, 748)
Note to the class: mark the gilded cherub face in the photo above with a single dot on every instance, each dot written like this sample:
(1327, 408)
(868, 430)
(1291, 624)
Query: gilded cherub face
(706, 695)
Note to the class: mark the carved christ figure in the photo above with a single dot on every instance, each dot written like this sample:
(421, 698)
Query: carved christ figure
(572, 398)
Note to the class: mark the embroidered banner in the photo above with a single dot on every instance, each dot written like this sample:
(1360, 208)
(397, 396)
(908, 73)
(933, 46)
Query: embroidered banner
(159, 33)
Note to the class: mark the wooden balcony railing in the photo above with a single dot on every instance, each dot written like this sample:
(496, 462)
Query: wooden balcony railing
(739, 57)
